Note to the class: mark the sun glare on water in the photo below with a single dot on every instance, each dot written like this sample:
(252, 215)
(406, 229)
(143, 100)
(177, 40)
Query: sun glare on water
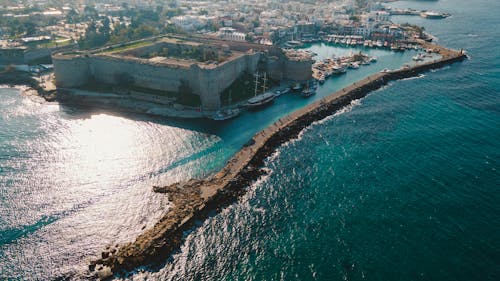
(99, 146)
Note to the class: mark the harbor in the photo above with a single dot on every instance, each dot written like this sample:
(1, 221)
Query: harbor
(197, 199)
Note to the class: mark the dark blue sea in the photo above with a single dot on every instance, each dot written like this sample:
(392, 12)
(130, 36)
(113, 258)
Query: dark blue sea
(403, 184)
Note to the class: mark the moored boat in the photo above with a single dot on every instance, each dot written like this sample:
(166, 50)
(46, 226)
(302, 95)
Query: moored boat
(433, 15)
(280, 92)
(260, 100)
(225, 114)
(308, 92)
(354, 65)
(297, 87)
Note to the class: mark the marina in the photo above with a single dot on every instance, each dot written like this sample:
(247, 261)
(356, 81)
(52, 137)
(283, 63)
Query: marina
(327, 67)
(357, 40)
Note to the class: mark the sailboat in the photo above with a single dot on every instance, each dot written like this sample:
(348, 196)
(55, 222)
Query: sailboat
(260, 100)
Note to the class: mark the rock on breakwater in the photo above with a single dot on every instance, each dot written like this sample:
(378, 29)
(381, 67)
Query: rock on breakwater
(197, 199)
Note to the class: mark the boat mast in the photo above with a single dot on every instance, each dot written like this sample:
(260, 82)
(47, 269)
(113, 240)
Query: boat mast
(256, 82)
(264, 85)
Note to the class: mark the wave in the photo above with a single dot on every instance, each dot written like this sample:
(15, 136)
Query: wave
(413, 78)
(18, 87)
(440, 69)
(343, 110)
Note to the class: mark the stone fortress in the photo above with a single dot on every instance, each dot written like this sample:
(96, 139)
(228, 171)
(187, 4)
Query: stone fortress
(205, 66)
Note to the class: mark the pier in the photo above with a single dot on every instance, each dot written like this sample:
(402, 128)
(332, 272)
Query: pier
(195, 200)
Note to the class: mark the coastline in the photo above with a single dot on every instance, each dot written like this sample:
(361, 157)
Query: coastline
(197, 199)
(28, 84)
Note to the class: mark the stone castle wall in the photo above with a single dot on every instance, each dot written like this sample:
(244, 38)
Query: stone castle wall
(297, 70)
(71, 72)
(207, 81)
(14, 56)
(27, 56)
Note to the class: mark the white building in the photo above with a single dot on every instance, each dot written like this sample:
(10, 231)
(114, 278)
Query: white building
(379, 16)
(363, 31)
(189, 23)
(229, 33)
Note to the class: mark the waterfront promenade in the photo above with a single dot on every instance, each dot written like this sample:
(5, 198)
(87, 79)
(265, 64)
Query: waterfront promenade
(197, 199)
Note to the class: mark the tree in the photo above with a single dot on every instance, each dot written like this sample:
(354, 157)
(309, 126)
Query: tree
(72, 16)
(361, 4)
(144, 31)
(249, 38)
(90, 12)
(30, 28)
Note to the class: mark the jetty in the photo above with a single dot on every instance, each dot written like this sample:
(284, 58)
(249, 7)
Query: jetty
(195, 200)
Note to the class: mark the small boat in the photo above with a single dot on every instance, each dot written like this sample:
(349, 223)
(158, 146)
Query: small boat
(293, 44)
(297, 87)
(225, 114)
(373, 59)
(434, 15)
(339, 70)
(418, 57)
(308, 92)
(354, 65)
(260, 100)
(280, 92)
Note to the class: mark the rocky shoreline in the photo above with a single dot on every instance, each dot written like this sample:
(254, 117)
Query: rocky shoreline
(195, 200)
(20, 78)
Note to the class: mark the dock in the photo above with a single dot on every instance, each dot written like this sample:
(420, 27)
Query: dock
(196, 200)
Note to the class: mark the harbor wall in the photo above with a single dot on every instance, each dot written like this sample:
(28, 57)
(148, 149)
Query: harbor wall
(201, 197)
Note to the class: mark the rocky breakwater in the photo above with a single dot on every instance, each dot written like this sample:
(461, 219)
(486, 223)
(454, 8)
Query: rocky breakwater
(196, 199)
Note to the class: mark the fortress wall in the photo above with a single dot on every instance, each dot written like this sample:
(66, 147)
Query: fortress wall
(207, 81)
(275, 68)
(155, 77)
(71, 72)
(297, 70)
(214, 81)
(15, 56)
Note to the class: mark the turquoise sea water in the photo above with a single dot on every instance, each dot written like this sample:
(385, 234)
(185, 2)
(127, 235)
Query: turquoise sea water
(402, 185)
